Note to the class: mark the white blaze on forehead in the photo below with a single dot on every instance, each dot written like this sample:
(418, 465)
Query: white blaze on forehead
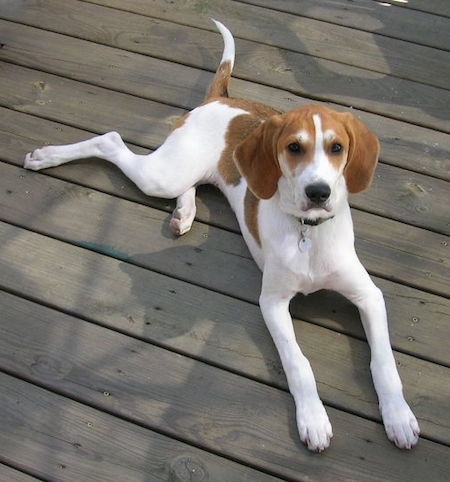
(319, 135)
(321, 168)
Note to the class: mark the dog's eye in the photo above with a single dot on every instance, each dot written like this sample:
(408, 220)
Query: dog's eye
(336, 148)
(295, 147)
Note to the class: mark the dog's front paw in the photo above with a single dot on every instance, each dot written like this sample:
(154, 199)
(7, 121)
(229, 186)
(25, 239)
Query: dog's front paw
(314, 426)
(400, 423)
(184, 214)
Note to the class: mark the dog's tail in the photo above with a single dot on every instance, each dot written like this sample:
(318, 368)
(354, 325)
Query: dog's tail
(219, 85)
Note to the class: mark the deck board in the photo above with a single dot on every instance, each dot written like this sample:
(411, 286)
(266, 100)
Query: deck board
(129, 354)
(398, 97)
(196, 402)
(368, 50)
(12, 475)
(46, 210)
(184, 87)
(395, 20)
(72, 282)
(70, 441)
(49, 96)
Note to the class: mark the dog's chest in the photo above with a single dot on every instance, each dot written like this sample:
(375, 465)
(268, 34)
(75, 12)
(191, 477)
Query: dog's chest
(304, 263)
(305, 259)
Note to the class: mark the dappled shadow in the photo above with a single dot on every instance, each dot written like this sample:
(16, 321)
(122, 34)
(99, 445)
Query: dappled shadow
(360, 87)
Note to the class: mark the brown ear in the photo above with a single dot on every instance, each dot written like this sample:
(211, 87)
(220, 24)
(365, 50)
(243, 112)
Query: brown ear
(362, 157)
(256, 158)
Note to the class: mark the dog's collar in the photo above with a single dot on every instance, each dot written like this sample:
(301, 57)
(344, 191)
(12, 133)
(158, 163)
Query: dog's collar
(313, 222)
(304, 242)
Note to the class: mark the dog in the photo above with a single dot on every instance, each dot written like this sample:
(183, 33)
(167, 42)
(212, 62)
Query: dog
(287, 177)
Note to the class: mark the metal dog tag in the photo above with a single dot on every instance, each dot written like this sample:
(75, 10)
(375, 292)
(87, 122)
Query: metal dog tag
(304, 244)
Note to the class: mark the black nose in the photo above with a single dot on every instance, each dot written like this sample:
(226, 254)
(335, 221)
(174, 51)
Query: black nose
(318, 192)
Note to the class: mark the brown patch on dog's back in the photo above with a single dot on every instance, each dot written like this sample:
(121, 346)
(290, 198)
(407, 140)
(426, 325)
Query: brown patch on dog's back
(239, 128)
(261, 111)
(237, 131)
(251, 206)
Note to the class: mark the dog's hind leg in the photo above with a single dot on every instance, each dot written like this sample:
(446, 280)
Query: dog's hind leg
(154, 173)
(109, 147)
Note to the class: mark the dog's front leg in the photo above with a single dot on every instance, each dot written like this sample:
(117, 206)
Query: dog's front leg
(312, 420)
(399, 421)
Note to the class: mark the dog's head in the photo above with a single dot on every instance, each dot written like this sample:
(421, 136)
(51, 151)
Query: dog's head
(313, 156)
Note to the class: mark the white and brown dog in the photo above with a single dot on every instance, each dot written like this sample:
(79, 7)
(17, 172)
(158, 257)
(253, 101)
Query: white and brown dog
(286, 177)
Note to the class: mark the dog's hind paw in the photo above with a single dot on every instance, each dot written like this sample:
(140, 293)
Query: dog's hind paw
(39, 159)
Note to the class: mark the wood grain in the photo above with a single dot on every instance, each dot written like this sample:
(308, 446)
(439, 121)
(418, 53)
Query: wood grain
(60, 439)
(386, 247)
(333, 81)
(123, 296)
(194, 401)
(11, 475)
(408, 146)
(127, 353)
(392, 18)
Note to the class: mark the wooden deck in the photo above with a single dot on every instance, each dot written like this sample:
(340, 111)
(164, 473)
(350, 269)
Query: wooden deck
(128, 355)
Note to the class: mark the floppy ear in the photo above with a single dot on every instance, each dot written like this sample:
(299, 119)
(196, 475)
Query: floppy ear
(362, 157)
(256, 158)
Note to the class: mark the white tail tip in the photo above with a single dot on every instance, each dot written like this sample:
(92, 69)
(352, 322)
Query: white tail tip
(228, 40)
